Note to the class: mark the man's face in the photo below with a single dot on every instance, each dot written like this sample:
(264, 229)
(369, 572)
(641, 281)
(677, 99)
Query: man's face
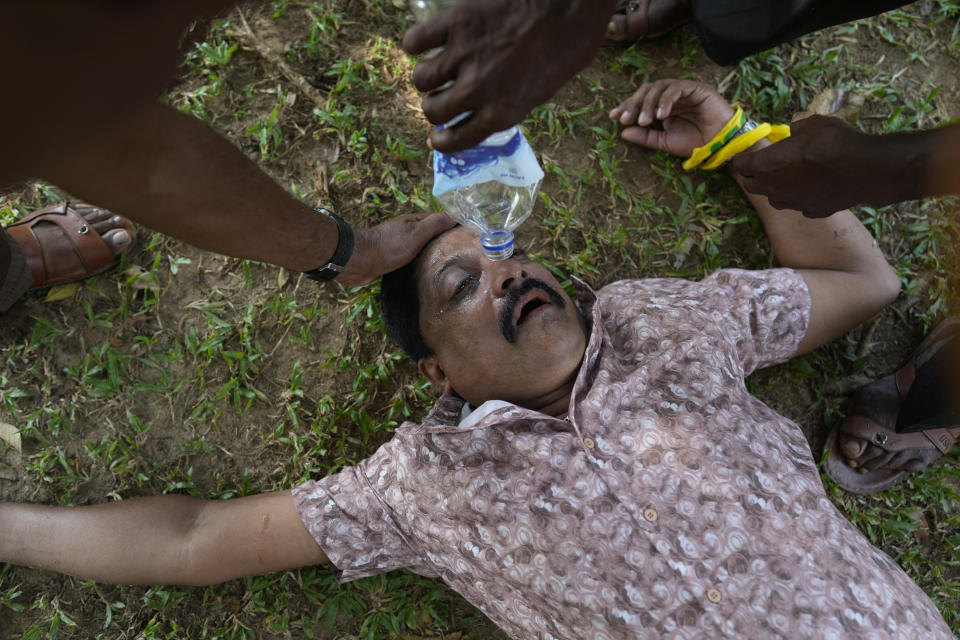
(501, 330)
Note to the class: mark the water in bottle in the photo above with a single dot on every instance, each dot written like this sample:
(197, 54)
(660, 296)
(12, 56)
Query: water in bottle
(489, 188)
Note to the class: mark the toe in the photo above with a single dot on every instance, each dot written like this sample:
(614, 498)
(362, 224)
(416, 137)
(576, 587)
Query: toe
(879, 461)
(118, 240)
(107, 223)
(93, 215)
(852, 448)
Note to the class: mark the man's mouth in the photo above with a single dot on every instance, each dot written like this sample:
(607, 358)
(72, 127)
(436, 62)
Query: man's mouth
(524, 301)
(537, 301)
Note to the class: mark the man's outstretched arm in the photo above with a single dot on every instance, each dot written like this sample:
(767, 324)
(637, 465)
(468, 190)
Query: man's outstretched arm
(160, 540)
(848, 277)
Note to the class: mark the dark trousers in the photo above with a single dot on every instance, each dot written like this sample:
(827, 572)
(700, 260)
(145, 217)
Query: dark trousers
(733, 29)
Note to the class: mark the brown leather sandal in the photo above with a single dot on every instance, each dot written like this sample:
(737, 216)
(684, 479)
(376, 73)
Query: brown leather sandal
(873, 416)
(645, 19)
(93, 255)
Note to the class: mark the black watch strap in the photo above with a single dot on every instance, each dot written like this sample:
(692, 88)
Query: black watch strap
(340, 257)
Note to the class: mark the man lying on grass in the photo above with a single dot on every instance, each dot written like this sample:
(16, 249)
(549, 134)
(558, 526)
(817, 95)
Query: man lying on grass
(593, 470)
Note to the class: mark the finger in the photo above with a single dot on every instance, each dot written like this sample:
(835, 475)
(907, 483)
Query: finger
(404, 237)
(443, 106)
(629, 109)
(649, 138)
(468, 133)
(429, 227)
(648, 109)
(433, 72)
(426, 35)
(671, 94)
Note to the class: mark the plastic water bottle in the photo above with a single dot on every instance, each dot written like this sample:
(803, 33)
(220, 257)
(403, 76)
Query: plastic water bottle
(489, 188)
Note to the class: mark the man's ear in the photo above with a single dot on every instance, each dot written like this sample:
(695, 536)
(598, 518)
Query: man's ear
(430, 369)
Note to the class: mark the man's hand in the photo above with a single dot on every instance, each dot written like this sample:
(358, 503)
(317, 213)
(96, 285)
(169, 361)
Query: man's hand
(691, 114)
(823, 167)
(390, 245)
(503, 57)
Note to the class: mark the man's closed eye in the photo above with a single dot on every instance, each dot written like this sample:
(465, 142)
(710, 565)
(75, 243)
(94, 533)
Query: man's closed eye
(464, 287)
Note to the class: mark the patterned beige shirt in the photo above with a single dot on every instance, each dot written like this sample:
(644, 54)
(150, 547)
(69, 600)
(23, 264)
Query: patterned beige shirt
(671, 504)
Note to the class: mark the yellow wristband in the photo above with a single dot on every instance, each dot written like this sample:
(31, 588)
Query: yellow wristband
(778, 132)
(723, 137)
(738, 144)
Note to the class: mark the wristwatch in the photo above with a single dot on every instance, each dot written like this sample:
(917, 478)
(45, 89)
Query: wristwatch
(342, 254)
(749, 125)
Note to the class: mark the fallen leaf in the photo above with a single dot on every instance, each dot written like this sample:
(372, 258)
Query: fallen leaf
(11, 435)
(283, 277)
(62, 292)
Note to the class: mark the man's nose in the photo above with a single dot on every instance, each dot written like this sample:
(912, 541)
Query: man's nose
(505, 275)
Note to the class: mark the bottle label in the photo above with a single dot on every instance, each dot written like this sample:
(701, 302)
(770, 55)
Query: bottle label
(512, 163)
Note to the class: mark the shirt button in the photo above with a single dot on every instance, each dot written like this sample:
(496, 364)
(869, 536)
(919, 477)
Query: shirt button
(650, 515)
(589, 443)
(714, 595)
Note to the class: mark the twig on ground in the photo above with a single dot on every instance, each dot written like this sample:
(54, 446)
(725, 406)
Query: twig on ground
(249, 40)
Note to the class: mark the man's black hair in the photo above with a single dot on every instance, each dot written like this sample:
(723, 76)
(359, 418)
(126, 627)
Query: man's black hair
(400, 308)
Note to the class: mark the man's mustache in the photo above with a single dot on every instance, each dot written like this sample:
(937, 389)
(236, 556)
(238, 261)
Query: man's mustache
(507, 327)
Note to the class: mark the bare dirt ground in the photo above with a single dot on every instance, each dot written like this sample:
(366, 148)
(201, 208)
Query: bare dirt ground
(188, 372)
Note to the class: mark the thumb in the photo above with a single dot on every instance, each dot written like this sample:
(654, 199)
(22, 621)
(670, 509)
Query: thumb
(646, 137)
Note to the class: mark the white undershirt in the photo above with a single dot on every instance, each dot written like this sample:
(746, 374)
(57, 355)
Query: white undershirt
(470, 417)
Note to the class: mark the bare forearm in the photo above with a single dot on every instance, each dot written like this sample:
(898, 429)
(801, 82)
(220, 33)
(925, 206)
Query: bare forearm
(161, 540)
(130, 542)
(173, 173)
(847, 276)
(838, 242)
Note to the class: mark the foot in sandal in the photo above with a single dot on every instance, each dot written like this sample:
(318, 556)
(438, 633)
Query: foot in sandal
(67, 242)
(902, 422)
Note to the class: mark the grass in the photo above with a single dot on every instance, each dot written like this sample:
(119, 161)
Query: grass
(185, 372)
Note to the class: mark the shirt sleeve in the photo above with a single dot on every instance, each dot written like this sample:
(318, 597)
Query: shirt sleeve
(352, 524)
(767, 311)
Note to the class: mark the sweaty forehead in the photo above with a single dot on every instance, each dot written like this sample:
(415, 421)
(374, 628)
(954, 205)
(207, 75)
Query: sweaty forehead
(458, 243)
